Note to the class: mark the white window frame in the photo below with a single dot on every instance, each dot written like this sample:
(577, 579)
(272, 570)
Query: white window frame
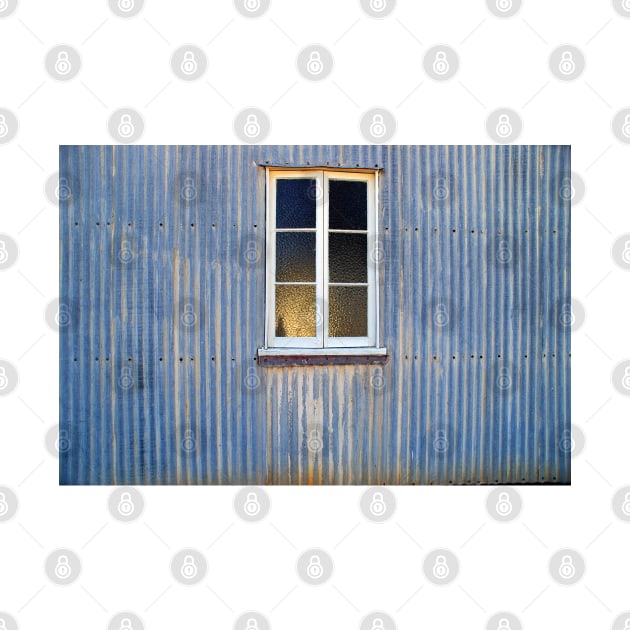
(321, 343)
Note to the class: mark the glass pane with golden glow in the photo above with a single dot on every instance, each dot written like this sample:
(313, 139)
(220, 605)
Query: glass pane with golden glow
(295, 310)
(347, 312)
(295, 257)
(347, 257)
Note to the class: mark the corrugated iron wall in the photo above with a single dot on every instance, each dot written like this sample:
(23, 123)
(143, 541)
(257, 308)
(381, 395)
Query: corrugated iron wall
(162, 311)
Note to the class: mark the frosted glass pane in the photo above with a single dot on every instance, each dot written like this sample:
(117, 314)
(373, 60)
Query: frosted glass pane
(347, 312)
(295, 311)
(295, 257)
(347, 257)
(347, 205)
(295, 203)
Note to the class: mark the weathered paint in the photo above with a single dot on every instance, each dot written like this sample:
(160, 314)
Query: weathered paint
(475, 277)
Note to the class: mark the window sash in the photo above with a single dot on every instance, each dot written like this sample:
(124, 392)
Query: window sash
(321, 339)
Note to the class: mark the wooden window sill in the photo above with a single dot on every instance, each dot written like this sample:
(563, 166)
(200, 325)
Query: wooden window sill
(276, 357)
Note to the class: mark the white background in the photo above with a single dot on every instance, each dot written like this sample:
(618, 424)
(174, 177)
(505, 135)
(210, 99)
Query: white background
(251, 62)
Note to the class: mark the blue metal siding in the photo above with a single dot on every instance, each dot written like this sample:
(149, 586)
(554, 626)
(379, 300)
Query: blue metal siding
(151, 234)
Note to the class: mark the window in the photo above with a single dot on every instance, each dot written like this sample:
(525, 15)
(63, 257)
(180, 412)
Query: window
(322, 254)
